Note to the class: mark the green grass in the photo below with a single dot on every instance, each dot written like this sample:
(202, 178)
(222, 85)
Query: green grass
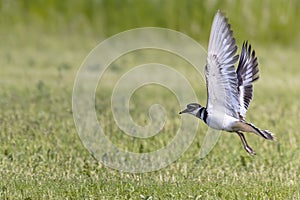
(42, 156)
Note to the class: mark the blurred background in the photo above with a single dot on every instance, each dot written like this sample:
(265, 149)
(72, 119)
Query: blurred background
(263, 21)
(59, 34)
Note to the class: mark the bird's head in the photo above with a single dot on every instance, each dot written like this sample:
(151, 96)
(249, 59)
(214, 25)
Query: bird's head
(192, 108)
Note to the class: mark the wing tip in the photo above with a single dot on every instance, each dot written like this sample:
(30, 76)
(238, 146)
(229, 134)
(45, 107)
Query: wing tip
(247, 54)
(220, 30)
(220, 15)
(220, 12)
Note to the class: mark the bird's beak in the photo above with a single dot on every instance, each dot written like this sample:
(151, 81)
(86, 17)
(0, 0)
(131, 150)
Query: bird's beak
(184, 111)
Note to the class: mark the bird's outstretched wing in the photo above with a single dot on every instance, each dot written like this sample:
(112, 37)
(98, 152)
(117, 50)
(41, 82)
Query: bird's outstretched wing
(247, 73)
(221, 77)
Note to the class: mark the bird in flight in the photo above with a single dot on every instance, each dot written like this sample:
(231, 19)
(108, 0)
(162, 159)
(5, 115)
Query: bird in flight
(229, 91)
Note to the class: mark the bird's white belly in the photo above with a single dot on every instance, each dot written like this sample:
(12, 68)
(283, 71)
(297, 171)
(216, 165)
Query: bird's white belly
(221, 121)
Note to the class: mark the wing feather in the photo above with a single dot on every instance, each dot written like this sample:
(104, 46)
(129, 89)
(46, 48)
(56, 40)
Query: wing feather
(221, 77)
(247, 73)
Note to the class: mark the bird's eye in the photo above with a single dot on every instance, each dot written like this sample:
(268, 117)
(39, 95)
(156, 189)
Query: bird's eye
(190, 106)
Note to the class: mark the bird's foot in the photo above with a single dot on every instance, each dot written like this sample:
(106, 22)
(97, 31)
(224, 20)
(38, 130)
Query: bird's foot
(249, 150)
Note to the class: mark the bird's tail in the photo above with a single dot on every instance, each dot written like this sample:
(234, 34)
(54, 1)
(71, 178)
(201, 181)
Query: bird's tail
(248, 127)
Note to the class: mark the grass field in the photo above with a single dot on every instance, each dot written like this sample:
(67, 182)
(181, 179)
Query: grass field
(42, 156)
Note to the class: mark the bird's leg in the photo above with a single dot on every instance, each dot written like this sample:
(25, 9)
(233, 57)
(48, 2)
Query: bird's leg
(246, 146)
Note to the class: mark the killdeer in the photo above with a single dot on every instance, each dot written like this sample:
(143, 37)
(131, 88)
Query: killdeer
(229, 91)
